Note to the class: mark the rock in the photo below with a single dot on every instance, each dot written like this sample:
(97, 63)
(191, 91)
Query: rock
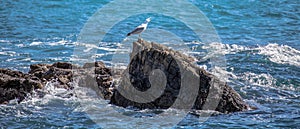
(97, 77)
(64, 65)
(16, 85)
(58, 72)
(158, 77)
(94, 64)
(93, 75)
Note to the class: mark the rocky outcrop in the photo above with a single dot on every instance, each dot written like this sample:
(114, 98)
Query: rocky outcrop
(60, 72)
(16, 85)
(158, 77)
(63, 75)
(97, 77)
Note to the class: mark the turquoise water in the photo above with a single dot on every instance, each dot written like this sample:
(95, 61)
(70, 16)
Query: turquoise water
(259, 39)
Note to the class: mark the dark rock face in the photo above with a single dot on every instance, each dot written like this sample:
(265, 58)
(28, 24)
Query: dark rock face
(59, 71)
(16, 85)
(231, 101)
(158, 77)
(93, 75)
(97, 77)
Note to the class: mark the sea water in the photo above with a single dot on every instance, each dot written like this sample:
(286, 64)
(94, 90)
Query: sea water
(259, 41)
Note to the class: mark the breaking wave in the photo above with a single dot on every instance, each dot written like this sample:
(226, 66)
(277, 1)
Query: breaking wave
(281, 54)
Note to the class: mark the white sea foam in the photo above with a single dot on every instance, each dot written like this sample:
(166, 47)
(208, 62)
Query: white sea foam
(20, 45)
(3, 53)
(4, 41)
(250, 78)
(8, 53)
(221, 73)
(223, 49)
(282, 54)
(35, 43)
(11, 59)
(258, 79)
(61, 42)
(26, 59)
(56, 43)
(51, 89)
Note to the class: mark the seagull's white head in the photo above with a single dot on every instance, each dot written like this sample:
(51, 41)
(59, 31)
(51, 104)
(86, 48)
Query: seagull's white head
(148, 19)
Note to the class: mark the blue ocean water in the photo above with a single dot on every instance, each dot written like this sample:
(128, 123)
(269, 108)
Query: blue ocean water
(259, 39)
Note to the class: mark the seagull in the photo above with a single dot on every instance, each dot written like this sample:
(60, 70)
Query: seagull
(141, 28)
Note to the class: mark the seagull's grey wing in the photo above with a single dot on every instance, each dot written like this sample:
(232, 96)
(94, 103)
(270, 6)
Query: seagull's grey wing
(136, 30)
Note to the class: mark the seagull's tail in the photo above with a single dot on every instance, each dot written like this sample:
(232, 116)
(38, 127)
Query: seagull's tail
(128, 34)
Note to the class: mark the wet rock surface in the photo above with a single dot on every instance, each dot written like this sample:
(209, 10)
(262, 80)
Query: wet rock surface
(17, 85)
(97, 77)
(60, 72)
(63, 75)
(158, 77)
